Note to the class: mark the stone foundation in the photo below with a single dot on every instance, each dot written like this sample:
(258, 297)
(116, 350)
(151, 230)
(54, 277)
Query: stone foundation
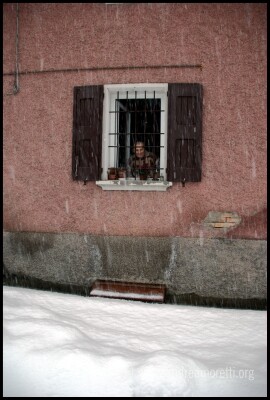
(209, 268)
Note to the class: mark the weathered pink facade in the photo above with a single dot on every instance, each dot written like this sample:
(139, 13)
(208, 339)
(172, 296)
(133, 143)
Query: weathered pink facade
(61, 231)
(56, 41)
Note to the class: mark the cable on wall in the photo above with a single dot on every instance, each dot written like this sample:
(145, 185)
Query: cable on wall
(128, 67)
(16, 87)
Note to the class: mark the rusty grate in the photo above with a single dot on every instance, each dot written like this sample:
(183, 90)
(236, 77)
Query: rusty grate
(129, 291)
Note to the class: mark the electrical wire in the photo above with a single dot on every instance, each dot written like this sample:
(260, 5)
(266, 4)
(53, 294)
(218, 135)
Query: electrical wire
(16, 87)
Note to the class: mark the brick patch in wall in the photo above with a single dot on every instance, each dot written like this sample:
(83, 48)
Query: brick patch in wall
(222, 220)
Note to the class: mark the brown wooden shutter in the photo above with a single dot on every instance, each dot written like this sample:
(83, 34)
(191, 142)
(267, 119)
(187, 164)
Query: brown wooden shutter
(87, 132)
(184, 158)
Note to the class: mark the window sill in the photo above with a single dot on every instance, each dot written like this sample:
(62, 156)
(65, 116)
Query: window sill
(154, 186)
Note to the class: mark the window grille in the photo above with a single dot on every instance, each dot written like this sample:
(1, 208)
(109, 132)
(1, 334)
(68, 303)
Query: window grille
(136, 117)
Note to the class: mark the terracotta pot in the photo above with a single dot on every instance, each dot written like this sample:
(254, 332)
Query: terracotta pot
(112, 174)
(112, 177)
(122, 173)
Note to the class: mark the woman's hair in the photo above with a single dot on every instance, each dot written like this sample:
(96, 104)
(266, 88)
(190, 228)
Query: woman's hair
(138, 143)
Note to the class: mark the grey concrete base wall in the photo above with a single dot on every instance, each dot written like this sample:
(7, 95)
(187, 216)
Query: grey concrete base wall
(221, 268)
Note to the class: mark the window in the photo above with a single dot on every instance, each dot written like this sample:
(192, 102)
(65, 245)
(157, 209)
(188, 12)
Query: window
(134, 114)
(108, 120)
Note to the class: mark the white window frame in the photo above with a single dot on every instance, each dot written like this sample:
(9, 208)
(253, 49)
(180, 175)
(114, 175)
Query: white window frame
(110, 95)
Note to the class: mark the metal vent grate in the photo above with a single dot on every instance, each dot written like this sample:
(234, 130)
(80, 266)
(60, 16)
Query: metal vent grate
(129, 291)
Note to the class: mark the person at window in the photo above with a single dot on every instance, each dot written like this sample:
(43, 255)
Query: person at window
(142, 163)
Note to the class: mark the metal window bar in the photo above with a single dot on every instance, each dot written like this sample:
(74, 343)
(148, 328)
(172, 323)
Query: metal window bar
(116, 138)
(154, 114)
(135, 122)
(128, 132)
(145, 117)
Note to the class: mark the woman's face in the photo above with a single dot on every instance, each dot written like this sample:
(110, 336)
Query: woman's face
(139, 150)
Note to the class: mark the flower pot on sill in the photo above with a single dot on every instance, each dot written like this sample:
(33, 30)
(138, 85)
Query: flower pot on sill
(112, 177)
(122, 173)
(112, 174)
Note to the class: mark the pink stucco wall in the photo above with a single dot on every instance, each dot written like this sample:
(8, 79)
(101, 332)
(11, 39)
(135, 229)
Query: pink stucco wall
(229, 40)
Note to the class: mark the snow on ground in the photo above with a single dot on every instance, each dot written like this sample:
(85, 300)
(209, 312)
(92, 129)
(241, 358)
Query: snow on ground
(64, 345)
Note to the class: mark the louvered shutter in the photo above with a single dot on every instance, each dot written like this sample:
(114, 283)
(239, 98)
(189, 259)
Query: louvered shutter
(87, 132)
(184, 159)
